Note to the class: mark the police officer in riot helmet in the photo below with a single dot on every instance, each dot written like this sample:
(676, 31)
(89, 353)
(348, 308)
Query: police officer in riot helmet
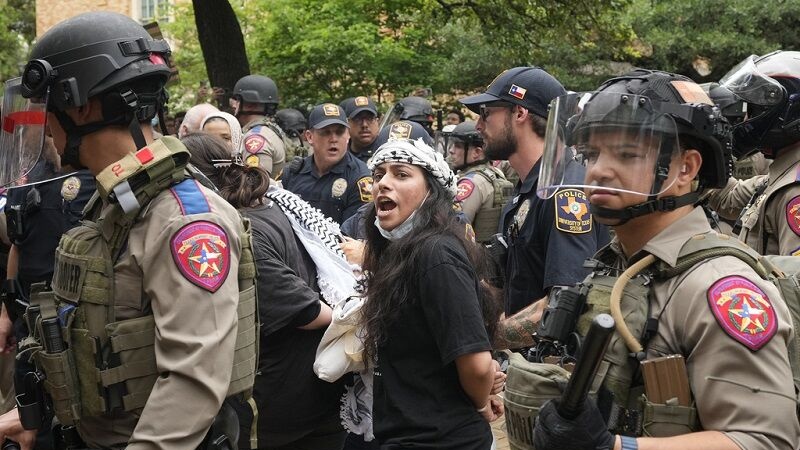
(482, 189)
(650, 141)
(254, 97)
(255, 102)
(415, 109)
(154, 268)
(763, 98)
(294, 123)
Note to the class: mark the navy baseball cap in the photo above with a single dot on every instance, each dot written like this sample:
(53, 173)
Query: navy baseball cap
(354, 105)
(403, 129)
(326, 114)
(529, 87)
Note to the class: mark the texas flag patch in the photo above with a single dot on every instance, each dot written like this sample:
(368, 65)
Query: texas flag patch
(201, 252)
(743, 310)
(517, 91)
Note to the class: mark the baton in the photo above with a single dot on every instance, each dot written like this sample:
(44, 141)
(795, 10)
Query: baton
(594, 348)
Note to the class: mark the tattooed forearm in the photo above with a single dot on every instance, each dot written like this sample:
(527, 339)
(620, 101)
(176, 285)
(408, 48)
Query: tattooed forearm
(517, 330)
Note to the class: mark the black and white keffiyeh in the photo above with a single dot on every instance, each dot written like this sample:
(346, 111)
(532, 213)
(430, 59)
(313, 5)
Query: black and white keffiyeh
(320, 237)
(419, 154)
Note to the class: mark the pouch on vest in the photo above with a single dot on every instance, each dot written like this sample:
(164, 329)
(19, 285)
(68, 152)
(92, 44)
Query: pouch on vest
(487, 220)
(528, 387)
(662, 420)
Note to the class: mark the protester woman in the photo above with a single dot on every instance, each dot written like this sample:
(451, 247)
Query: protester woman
(301, 272)
(423, 326)
(224, 126)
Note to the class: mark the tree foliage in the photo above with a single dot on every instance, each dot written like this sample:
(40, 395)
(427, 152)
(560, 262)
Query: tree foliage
(680, 36)
(17, 30)
(325, 51)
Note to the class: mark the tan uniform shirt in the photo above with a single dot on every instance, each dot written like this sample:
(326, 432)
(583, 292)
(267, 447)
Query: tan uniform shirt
(687, 325)
(195, 328)
(475, 192)
(270, 155)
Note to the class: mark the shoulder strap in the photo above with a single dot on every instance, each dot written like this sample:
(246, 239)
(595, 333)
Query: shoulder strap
(712, 245)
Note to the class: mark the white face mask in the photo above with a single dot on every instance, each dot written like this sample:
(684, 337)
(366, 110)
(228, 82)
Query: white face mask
(404, 228)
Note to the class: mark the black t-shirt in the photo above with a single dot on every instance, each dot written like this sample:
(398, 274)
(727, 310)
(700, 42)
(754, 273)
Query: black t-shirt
(418, 399)
(291, 400)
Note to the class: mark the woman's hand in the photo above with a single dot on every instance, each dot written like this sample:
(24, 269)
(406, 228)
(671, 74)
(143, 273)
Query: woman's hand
(353, 250)
(499, 378)
(11, 428)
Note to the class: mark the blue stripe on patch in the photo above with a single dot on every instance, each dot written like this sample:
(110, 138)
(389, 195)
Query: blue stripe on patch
(190, 197)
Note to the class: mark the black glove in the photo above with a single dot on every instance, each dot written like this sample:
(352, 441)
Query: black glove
(585, 432)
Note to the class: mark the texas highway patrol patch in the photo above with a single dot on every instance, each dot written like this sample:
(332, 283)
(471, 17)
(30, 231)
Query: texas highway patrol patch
(743, 310)
(365, 189)
(201, 252)
(254, 143)
(793, 214)
(465, 188)
(572, 211)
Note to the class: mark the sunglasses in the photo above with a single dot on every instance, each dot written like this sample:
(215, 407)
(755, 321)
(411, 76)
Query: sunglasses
(486, 108)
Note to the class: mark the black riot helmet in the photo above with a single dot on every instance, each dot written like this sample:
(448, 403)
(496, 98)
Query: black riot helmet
(467, 134)
(292, 121)
(768, 88)
(414, 109)
(257, 89)
(97, 54)
(640, 122)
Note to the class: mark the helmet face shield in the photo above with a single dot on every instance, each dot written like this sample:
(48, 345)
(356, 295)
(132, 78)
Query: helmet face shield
(22, 142)
(748, 83)
(623, 142)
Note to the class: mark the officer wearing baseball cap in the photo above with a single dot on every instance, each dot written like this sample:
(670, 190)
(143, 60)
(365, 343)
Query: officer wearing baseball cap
(331, 178)
(362, 115)
(548, 239)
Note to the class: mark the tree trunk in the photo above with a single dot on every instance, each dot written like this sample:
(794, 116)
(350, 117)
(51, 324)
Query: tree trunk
(223, 46)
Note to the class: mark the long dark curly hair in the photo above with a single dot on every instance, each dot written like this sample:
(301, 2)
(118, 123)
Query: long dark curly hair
(391, 266)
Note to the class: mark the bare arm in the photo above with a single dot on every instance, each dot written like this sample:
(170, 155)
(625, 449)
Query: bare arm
(476, 375)
(322, 320)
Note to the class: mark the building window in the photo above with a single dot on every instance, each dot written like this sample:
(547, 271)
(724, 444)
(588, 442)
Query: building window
(151, 10)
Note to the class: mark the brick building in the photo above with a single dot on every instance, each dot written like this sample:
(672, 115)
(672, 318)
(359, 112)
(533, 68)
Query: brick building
(50, 12)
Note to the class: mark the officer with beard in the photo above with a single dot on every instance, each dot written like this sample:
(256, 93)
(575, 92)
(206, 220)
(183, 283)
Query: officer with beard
(548, 240)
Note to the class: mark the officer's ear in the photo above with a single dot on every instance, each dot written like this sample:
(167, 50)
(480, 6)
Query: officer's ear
(91, 112)
(309, 134)
(689, 164)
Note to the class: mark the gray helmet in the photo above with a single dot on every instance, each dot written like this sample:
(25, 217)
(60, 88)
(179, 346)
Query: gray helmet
(467, 133)
(292, 121)
(98, 54)
(416, 109)
(256, 89)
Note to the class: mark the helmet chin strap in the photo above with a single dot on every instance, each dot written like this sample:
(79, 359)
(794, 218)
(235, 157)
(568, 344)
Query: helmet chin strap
(650, 206)
(75, 133)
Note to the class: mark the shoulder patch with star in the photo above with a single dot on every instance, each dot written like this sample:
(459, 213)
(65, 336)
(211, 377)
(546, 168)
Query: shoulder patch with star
(793, 214)
(572, 211)
(743, 311)
(201, 252)
(465, 188)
